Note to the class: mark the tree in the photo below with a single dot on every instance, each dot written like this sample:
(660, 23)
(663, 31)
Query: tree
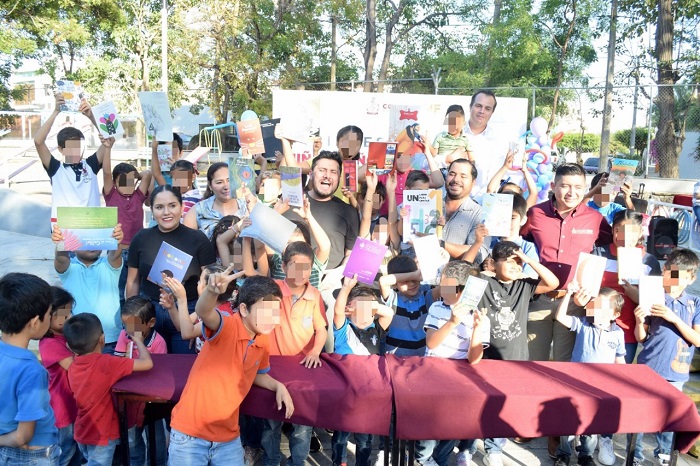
(624, 136)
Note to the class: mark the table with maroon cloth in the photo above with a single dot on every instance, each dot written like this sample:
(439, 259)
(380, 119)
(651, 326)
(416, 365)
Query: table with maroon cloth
(442, 398)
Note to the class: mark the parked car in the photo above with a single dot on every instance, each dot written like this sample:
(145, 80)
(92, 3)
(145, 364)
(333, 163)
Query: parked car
(590, 166)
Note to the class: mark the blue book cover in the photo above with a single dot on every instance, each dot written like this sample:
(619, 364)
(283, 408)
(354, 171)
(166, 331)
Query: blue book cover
(170, 261)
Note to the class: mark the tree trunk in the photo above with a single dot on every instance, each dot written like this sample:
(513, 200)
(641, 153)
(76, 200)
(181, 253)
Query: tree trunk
(607, 105)
(665, 100)
(494, 26)
(334, 32)
(370, 43)
(560, 68)
(388, 46)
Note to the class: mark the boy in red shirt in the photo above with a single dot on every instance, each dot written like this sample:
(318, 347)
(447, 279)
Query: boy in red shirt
(234, 356)
(91, 376)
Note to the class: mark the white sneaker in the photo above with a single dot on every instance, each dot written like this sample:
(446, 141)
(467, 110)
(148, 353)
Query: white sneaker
(493, 459)
(663, 459)
(606, 454)
(464, 458)
(380, 458)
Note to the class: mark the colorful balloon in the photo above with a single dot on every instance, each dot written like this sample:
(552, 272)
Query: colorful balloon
(538, 126)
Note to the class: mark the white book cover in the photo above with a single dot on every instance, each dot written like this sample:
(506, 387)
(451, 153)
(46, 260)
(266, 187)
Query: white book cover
(291, 186)
(589, 272)
(629, 265)
(108, 122)
(424, 208)
(651, 291)
(430, 257)
(473, 291)
(497, 210)
(156, 113)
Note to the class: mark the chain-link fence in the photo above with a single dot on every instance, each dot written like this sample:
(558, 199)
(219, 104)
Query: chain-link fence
(657, 125)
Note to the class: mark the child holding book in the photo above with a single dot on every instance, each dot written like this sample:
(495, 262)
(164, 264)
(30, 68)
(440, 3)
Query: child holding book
(91, 377)
(28, 433)
(235, 356)
(93, 279)
(73, 182)
(57, 358)
(669, 333)
(602, 201)
(161, 176)
(302, 330)
(125, 188)
(598, 340)
(139, 316)
(359, 326)
(453, 331)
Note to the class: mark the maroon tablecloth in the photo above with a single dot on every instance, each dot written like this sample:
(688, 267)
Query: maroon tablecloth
(352, 393)
(532, 399)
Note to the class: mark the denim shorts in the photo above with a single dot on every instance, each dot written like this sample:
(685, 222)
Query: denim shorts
(49, 456)
(186, 450)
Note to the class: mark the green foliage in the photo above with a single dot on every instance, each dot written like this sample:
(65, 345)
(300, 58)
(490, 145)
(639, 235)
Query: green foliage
(624, 137)
(580, 143)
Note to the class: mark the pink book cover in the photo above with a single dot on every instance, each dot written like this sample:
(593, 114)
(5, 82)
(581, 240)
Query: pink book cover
(365, 259)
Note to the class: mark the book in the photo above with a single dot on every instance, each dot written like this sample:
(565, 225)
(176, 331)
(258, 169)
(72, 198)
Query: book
(87, 228)
(381, 157)
(364, 261)
(156, 114)
(629, 265)
(165, 156)
(269, 227)
(424, 208)
(589, 272)
(72, 94)
(270, 141)
(651, 291)
(242, 176)
(473, 292)
(621, 172)
(496, 211)
(350, 175)
(171, 262)
(108, 122)
(291, 186)
(431, 258)
(250, 137)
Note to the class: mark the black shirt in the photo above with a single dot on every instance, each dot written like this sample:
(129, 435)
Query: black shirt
(144, 248)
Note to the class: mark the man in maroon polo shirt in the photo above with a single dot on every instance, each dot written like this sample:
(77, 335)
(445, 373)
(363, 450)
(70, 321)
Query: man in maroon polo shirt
(561, 228)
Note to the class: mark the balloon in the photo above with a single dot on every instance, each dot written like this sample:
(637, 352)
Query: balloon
(538, 126)
(557, 137)
(547, 149)
(534, 145)
(531, 139)
(539, 158)
(532, 164)
(542, 168)
(543, 140)
(249, 115)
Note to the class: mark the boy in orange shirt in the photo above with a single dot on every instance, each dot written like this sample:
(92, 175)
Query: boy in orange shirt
(302, 330)
(234, 357)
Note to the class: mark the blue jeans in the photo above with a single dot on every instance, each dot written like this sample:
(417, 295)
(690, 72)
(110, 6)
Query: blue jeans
(99, 455)
(696, 211)
(122, 275)
(49, 456)
(186, 450)
(137, 445)
(172, 336)
(663, 439)
(586, 445)
(299, 442)
(491, 445)
(440, 450)
(69, 448)
(630, 352)
(339, 448)
(251, 430)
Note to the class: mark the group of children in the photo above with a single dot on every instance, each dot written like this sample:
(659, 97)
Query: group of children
(91, 336)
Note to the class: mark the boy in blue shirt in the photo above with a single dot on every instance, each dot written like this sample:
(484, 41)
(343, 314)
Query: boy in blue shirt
(28, 434)
(598, 340)
(359, 324)
(93, 279)
(670, 332)
(602, 198)
(410, 301)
